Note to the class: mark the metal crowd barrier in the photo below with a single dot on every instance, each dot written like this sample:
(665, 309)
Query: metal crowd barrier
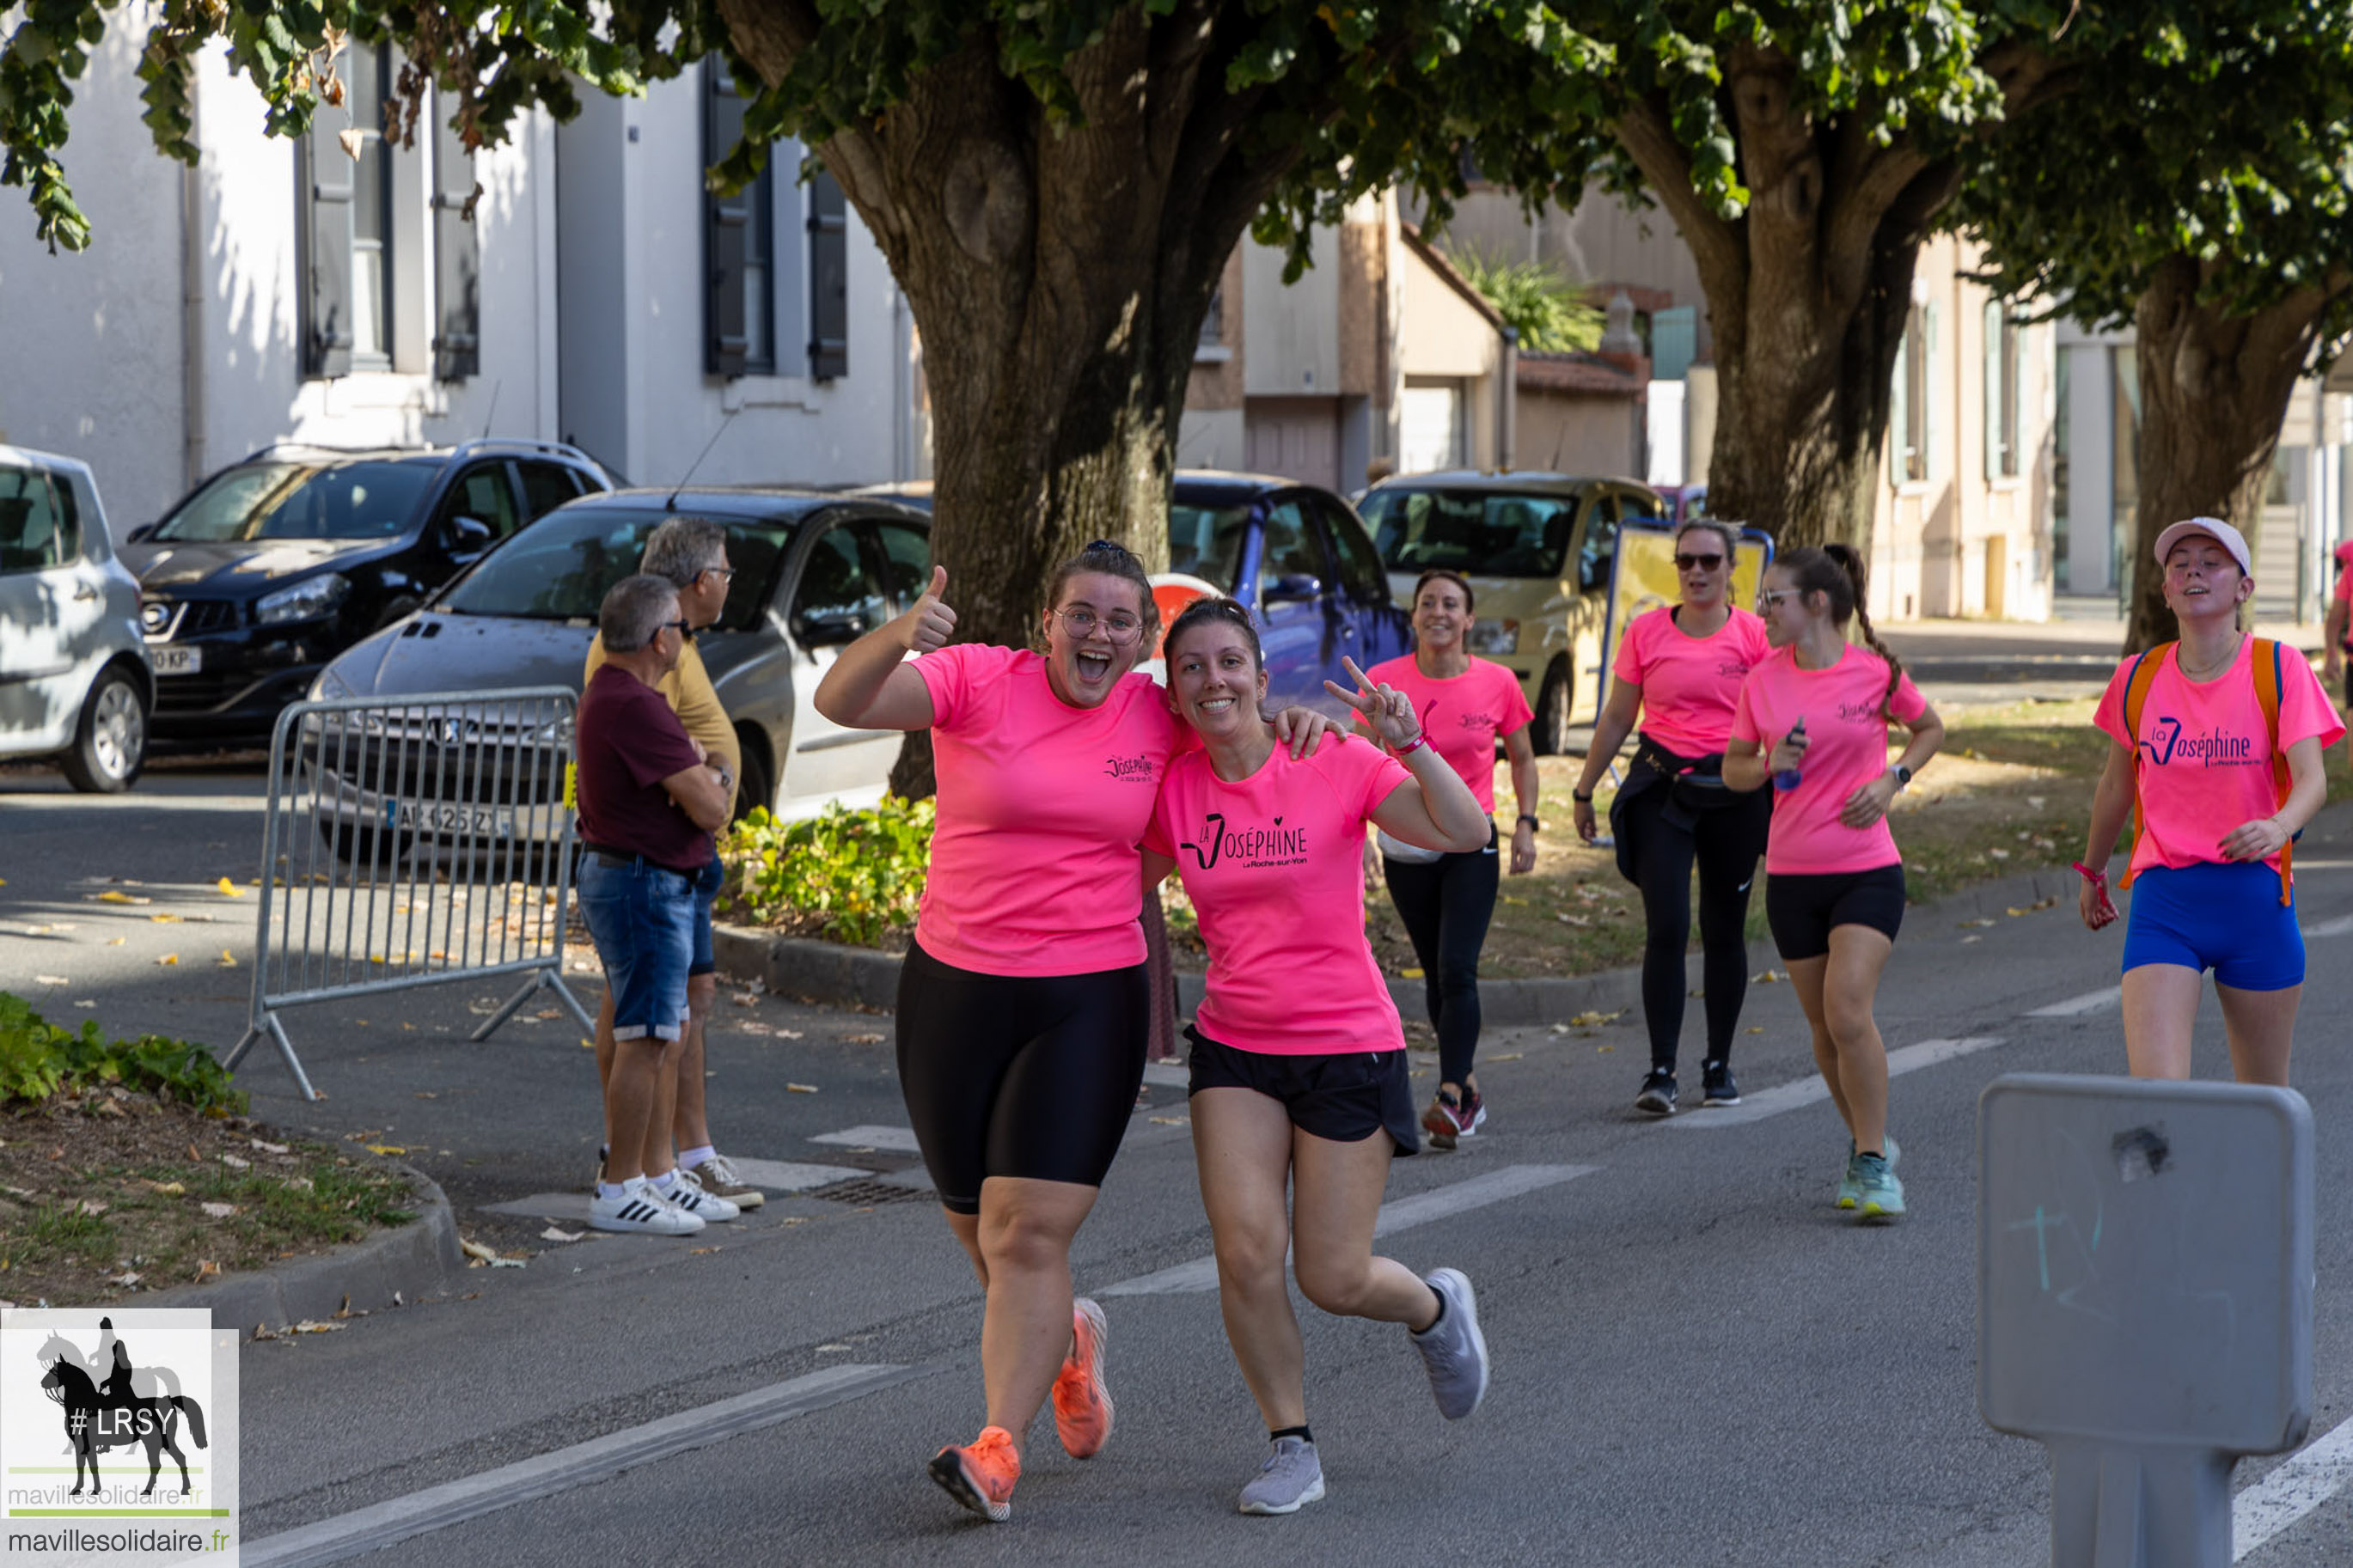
(414, 841)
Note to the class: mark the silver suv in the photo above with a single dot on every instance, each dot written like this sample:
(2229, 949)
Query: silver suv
(74, 678)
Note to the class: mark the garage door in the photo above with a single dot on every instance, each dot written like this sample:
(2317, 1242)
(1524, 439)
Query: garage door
(1296, 437)
(1430, 428)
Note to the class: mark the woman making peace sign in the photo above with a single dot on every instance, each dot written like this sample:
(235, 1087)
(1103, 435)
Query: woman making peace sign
(1299, 1066)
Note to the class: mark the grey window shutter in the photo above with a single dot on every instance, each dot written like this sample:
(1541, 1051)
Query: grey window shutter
(726, 224)
(457, 262)
(323, 172)
(829, 232)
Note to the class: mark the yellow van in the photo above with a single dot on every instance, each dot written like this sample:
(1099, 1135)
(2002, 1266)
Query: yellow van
(1537, 549)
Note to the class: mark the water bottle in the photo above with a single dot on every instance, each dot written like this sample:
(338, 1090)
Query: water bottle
(1786, 779)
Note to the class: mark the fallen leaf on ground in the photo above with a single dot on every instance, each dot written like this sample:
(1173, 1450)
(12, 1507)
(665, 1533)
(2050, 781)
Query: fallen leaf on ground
(93, 1205)
(587, 1045)
(1604, 1051)
(1508, 1056)
(116, 942)
(701, 1251)
(385, 1148)
(1590, 1019)
(218, 1211)
(1410, 974)
(863, 1039)
(235, 1163)
(1755, 1028)
(269, 1148)
(229, 890)
(1560, 1028)
(91, 1002)
(112, 897)
(206, 1270)
(800, 1089)
(1768, 976)
(1170, 1120)
(1999, 853)
(165, 920)
(1573, 919)
(169, 1189)
(427, 1094)
(169, 958)
(553, 1233)
(128, 1276)
(476, 1250)
(1980, 921)
(227, 959)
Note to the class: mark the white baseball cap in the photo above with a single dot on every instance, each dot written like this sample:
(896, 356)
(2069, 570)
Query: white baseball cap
(2214, 528)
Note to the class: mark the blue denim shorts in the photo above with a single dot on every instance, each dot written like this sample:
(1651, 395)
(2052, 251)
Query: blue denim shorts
(706, 893)
(641, 917)
(2225, 917)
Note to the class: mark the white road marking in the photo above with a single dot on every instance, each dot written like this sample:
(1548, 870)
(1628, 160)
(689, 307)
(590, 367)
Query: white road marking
(1758, 1104)
(897, 1140)
(1508, 1181)
(789, 1176)
(2338, 927)
(438, 1507)
(2076, 1006)
(2314, 1475)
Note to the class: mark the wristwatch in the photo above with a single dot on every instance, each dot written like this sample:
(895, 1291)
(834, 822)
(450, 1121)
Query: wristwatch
(1530, 818)
(1903, 774)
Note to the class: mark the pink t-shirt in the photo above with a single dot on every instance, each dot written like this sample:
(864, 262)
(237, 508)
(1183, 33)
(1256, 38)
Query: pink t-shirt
(2205, 753)
(1690, 685)
(1274, 866)
(1846, 748)
(1034, 862)
(1463, 715)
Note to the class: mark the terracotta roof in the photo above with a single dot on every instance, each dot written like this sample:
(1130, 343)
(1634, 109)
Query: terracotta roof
(1577, 371)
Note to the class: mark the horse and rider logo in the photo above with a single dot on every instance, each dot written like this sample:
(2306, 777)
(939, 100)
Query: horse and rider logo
(109, 1403)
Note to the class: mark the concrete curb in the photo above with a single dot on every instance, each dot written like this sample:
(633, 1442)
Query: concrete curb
(833, 975)
(411, 1260)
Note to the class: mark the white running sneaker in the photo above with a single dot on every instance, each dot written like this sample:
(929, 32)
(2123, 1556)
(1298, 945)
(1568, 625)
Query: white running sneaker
(641, 1208)
(696, 1199)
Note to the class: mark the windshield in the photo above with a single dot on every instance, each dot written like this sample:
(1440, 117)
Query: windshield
(1466, 530)
(559, 568)
(301, 500)
(1206, 541)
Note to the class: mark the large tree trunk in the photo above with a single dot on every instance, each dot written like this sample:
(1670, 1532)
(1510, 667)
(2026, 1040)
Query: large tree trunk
(2214, 389)
(1808, 289)
(1058, 275)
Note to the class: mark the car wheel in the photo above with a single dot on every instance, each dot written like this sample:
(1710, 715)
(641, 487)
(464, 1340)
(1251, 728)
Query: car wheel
(111, 742)
(756, 786)
(1553, 704)
(394, 611)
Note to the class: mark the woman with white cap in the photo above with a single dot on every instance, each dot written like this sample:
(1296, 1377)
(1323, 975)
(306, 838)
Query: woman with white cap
(2216, 756)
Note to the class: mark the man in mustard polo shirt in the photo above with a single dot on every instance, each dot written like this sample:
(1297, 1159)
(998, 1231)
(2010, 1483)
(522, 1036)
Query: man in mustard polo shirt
(691, 552)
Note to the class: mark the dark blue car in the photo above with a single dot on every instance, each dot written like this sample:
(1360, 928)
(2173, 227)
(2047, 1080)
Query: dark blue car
(1302, 560)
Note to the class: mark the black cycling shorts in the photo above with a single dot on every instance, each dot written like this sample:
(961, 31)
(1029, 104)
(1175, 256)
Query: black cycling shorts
(1011, 1074)
(1801, 909)
(1344, 1097)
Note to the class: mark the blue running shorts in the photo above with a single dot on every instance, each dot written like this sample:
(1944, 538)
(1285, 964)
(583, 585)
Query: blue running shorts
(2223, 916)
(641, 917)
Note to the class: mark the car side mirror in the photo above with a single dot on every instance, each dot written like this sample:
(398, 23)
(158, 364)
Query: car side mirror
(833, 626)
(1593, 573)
(471, 530)
(1292, 586)
(138, 533)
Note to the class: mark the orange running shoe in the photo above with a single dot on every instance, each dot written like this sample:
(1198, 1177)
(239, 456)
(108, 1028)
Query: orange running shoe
(981, 1475)
(1081, 1403)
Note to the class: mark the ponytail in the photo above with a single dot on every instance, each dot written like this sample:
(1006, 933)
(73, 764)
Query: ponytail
(1836, 570)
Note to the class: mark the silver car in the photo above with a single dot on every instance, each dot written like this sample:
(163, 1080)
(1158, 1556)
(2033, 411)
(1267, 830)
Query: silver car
(812, 573)
(74, 678)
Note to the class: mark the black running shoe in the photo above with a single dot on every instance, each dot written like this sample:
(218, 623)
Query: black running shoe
(1717, 1087)
(1658, 1095)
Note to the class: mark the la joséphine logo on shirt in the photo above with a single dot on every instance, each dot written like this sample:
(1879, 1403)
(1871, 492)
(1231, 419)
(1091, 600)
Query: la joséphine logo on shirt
(1253, 847)
(1129, 770)
(2170, 739)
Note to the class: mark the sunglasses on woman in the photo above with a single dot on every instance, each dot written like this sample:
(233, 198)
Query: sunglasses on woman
(1697, 562)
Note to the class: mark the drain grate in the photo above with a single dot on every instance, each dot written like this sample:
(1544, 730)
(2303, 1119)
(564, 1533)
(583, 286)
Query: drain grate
(866, 1190)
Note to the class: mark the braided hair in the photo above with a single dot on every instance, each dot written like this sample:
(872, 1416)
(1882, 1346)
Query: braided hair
(1836, 572)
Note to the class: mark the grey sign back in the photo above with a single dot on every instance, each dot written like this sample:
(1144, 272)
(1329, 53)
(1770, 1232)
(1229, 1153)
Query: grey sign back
(2145, 1267)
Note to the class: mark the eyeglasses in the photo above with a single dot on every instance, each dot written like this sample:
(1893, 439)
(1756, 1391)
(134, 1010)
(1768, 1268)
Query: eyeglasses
(728, 573)
(1698, 563)
(1081, 624)
(679, 627)
(1771, 599)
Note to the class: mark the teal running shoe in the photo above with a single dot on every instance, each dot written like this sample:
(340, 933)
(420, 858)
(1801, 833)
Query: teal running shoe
(1880, 1194)
(1850, 1189)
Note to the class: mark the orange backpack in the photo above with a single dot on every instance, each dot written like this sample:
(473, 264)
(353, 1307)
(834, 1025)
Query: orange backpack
(2267, 669)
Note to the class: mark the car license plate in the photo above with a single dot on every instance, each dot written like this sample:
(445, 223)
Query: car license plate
(440, 816)
(176, 660)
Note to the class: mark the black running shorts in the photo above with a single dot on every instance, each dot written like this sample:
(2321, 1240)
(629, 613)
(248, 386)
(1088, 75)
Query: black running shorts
(1009, 1075)
(1345, 1097)
(1801, 909)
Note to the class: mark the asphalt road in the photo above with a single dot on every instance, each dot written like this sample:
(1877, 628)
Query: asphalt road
(1697, 1360)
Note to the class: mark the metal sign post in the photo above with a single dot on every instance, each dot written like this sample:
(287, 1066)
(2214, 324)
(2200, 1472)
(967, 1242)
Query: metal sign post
(2145, 1275)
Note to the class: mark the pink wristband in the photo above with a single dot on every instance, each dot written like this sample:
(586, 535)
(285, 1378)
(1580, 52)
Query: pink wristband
(2087, 873)
(1416, 743)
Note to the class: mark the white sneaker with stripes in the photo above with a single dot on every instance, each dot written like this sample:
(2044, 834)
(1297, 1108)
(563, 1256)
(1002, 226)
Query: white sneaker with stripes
(641, 1208)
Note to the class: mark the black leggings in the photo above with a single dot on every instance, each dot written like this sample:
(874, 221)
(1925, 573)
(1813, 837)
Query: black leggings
(1009, 1075)
(1446, 904)
(1726, 841)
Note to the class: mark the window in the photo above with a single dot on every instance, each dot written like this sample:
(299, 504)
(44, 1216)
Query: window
(344, 199)
(483, 494)
(1205, 542)
(1213, 320)
(828, 271)
(1466, 530)
(1286, 548)
(1599, 547)
(1360, 563)
(545, 487)
(2000, 392)
(456, 258)
(1908, 413)
(906, 563)
(739, 246)
(38, 531)
(836, 602)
